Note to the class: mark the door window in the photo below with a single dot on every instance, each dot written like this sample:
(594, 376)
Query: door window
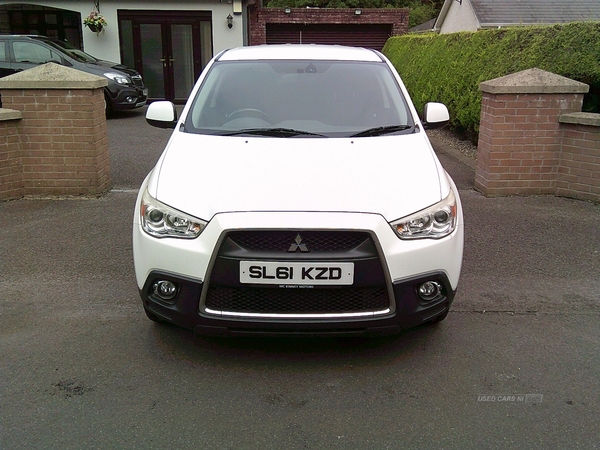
(169, 49)
(182, 46)
(153, 62)
(29, 52)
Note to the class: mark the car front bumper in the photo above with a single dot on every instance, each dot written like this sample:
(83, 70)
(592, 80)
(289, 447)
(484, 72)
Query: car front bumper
(385, 263)
(410, 311)
(127, 98)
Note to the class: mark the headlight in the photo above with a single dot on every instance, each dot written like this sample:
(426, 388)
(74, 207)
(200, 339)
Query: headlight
(117, 78)
(434, 222)
(160, 220)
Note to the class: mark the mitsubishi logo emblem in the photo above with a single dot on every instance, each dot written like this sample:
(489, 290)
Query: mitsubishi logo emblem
(298, 245)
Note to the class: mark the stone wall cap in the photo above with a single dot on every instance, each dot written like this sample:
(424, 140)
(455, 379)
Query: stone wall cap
(52, 76)
(10, 114)
(581, 118)
(533, 81)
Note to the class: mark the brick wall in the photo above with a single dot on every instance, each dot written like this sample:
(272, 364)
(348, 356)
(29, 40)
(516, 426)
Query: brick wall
(519, 141)
(579, 168)
(11, 167)
(260, 17)
(524, 149)
(62, 137)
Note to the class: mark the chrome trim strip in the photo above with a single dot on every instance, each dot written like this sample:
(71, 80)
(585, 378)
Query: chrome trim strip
(297, 316)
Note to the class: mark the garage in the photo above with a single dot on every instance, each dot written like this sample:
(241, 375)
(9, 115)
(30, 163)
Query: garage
(369, 27)
(354, 35)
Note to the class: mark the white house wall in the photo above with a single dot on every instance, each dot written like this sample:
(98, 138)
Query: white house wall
(460, 17)
(106, 44)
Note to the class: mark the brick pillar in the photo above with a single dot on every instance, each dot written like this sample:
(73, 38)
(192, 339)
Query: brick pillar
(520, 136)
(11, 166)
(63, 135)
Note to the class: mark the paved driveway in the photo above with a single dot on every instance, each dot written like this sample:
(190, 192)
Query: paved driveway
(515, 364)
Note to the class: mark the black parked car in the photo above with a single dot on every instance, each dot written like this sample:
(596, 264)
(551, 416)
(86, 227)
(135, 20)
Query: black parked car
(125, 88)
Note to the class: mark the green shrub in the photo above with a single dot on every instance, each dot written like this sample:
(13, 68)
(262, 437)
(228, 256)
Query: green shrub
(449, 67)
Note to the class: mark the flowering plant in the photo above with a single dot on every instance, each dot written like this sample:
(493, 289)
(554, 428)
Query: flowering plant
(95, 21)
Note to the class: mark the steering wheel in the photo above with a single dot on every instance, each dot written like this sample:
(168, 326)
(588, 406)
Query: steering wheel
(249, 112)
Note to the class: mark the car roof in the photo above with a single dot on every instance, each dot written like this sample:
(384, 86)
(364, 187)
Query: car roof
(22, 36)
(300, 51)
(35, 37)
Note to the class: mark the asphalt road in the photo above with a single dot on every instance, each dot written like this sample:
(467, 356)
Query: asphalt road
(515, 365)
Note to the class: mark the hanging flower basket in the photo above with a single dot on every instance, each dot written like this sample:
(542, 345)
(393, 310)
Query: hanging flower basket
(95, 22)
(95, 28)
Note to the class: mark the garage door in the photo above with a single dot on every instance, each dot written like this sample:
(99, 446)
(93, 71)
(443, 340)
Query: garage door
(355, 35)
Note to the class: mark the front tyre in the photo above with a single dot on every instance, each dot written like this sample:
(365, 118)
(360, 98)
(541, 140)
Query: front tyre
(108, 108)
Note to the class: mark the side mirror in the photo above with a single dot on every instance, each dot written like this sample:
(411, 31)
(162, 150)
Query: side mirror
(435, 115)
(161, 114)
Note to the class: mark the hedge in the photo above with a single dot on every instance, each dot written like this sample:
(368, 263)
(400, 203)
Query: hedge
(449, 67)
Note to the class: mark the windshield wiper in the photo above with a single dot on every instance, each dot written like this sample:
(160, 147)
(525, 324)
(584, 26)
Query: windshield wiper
(274, 132)
(378, 131)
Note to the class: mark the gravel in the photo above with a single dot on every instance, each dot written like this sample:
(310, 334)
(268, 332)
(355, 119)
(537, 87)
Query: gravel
(446, 136)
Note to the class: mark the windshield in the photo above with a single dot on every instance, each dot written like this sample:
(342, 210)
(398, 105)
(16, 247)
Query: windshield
(72, 51)
(299, 98)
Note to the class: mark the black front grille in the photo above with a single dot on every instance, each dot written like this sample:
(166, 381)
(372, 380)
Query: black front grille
(315, 241)
(137, 80)
(368, 293)
(297, 301)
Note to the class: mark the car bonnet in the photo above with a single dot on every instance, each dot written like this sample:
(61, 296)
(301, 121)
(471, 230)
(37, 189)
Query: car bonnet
(103, 66)
(390, 175)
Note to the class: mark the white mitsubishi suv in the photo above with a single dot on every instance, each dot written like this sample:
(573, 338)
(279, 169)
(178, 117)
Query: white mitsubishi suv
(298, 194)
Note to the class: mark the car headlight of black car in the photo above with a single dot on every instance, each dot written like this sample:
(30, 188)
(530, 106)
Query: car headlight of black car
(118, 78)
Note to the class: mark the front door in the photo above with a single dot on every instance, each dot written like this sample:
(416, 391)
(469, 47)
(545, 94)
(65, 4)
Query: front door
(169, 50)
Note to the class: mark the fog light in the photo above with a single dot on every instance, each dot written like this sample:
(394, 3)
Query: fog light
(429, 290)
(130, 99)
(165, 290)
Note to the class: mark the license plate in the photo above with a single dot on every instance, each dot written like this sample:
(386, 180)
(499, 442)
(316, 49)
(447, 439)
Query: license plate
(296, 273)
